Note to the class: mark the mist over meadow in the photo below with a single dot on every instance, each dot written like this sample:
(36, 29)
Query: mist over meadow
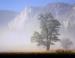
(16, 28)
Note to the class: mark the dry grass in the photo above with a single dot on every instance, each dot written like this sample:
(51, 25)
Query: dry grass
(59, 51)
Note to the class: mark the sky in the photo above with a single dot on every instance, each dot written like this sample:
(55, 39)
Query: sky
(18, 5)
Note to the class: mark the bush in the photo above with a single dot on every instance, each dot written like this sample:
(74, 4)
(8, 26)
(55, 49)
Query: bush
(64, 51)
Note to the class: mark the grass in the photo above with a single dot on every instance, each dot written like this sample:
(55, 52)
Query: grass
(59, 51)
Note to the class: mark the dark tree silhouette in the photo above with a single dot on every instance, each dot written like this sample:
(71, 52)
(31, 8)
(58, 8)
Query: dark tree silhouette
(49, 31)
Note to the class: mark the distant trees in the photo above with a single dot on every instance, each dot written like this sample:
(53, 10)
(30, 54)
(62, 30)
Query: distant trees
(49, 31)
(66, 43)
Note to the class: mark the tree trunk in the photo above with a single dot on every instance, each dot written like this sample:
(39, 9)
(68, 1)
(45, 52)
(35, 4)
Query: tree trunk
(48, 44)
(48, 41)
(48, 47)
